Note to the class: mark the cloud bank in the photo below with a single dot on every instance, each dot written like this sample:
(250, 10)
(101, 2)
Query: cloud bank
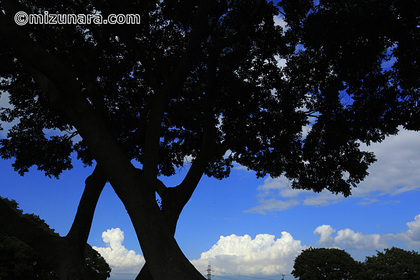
(264, 255)
(349, 239)
(396, 171)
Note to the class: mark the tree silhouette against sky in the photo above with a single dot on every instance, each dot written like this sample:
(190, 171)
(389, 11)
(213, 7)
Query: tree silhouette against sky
(214, 82)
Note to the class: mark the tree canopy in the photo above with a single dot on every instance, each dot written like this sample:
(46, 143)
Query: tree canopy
(216, 82)
(331, 263)
(228, 83)
(323, 263)
(19, 261)
(393, 263)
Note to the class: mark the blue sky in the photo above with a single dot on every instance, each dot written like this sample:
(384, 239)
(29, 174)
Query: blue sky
(248, 226)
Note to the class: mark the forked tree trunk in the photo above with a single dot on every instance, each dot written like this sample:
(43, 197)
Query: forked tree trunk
(171, 214)
(165, 259)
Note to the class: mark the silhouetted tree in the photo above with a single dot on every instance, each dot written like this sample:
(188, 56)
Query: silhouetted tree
(394, 263)
(323, 263)
(202, 79)
(19, 260)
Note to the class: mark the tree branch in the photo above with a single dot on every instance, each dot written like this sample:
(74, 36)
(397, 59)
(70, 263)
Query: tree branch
(79, 231)
(173, 84)
(208, 145)
(61, 86)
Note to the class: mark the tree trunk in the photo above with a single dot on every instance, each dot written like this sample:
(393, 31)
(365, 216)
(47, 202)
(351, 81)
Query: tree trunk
(61, 86)
(164, 258)
(144, 273)
(171, 209)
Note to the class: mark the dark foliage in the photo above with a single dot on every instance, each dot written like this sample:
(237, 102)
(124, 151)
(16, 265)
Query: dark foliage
(231, 84)
(393, 263)
(322, 263)
(18, 261)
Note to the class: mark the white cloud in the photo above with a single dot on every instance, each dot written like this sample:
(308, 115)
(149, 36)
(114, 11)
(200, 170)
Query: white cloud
(398, 167)
(264, 255)
(281, 62)
(349, 239)
(268, 205)
(117, 256)
(273, 188)
(237, 166)
(412, 235)
(4, 100)
(325, 232)
(279, 21)
(276, 194)
(322, 199)
(4, 103)
(396, 171)
(279, 185)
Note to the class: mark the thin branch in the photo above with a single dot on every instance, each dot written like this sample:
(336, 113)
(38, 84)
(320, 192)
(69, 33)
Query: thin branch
(74, 134)
(208, 145)
(196, 171)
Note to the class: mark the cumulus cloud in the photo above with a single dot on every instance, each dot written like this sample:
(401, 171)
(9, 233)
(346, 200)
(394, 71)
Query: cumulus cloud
(231, 255)
(325, 232)
(118, 257)
(396, 171)
(263, 255)
(412, 235)
(349, 239)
